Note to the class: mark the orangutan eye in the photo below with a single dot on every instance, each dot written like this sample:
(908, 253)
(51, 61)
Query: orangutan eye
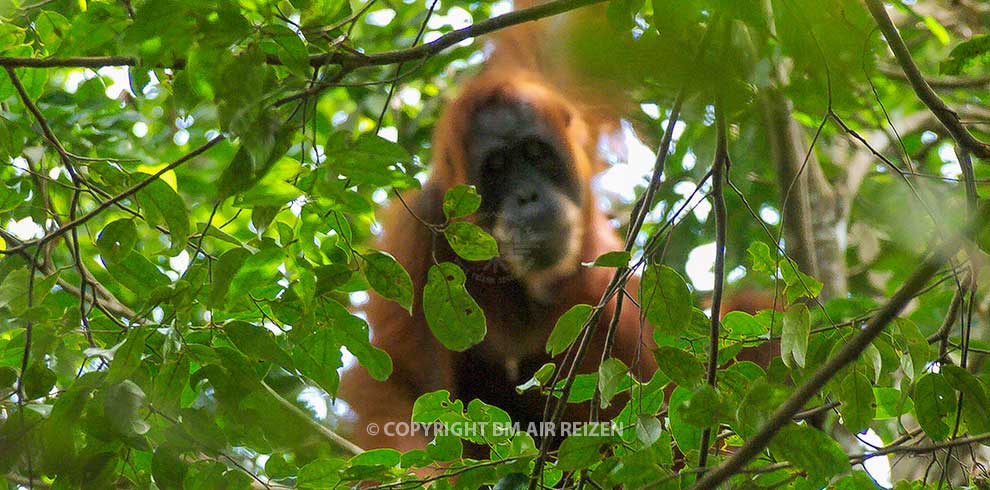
(533, 150)
(495, 162)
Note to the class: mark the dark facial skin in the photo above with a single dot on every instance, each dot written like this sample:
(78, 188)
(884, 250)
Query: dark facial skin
(530, 198)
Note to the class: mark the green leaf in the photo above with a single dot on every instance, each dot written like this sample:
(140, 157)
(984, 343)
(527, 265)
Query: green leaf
(224, 270)
(621, 14)
(891, 403)
(58, 436)
(38, 380)
(857, 480)
(162, 205)
(445, 448)
(253, 161)
(810, 450)
(387, 277)
(8, 376)
(460, 200)
(475, 477)
(648, 429)
(371, 160)
(742, 324)
(975, 406)
(353, 334)
(14, 292)
(934, 405)
(680, 366)
(257, 343)
(286, 234)
(936, 29)
(330, 277)
(34, 81)
(916, 352)
(611, 374)
(611, 259)
(470, 242)
(513, 481)
(857, 403)
(492, 423)
(273, 189)
(540, 378)
(972, 52)
(168, 468)
(258, 271)
(137, 273)
(638, 468)
(200, 425)
(320, 474)
(665, 299)
(319, 13)
(873, 360)
(567, 329)
(454, 317)
(377, 457)
(127, 357)
(687, 436)
(204, 475)
(15, 288)
(759, 403)
(290, 50)
(117, 239)
(429, 407)
(580, 451)
(238, 82)
(169, 383)
(796, 283)
(643, 399)
(138, 77)
(795, 334)
(51, 27)
(705, 408)
(982, 233)
(318, 357)
(121, 403)
(735, 381)
(583, 388)
(277, 468)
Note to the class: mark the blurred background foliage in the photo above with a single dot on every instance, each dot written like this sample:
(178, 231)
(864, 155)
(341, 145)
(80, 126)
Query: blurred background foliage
(189, 334)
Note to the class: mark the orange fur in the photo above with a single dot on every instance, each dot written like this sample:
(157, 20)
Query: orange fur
(488, 370)
(421, 364)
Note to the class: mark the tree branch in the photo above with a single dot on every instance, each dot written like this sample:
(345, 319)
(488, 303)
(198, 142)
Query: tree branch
(348, 59)
(115, 199)
(719, 167)
(947, 83)
(945, 115)
(849, 353)
(897, 448)
(321, 430)
(105, 301)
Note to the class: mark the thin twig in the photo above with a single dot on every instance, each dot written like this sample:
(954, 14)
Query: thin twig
(398, 67)
(119, 197)
(615, 285)
(720, 167)
(942, 334)
(946, 82)
(924, 91)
